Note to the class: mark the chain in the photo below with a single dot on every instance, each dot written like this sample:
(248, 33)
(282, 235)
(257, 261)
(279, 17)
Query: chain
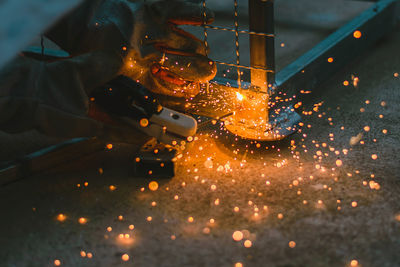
(236, 20)
(204, 26)
(233, 30)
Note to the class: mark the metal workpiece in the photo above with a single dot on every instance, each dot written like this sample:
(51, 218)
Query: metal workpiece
(332, 54)
(262, 49)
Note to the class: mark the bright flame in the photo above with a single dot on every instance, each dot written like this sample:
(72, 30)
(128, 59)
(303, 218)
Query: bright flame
(239, 96)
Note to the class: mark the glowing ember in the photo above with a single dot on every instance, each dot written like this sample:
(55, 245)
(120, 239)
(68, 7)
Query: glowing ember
(354, 263)
(208, 163)
(57, 262)
(61, 217)
(125, 257)
(357, 34)
(247, 244)
(82, 220)
(292, 244)
(112, 187)
(144, 122)
(153, 185)
(237, 235)
(339, 163)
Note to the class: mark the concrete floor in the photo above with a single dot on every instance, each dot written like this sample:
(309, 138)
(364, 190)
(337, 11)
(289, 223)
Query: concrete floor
(335, 215)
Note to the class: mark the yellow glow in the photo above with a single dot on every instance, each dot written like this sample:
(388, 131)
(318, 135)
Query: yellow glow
(112, 187)
(357, 34)
(339, 163)
(354, 263)
(237, 235)
(82, 220)
(247, 244)
(239, 96)
(190, 219)
(125, 257)
(109, 146)
(144, 122)
(153, 185)
(61, 217)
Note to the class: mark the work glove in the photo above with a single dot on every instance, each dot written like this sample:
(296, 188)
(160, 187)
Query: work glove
(105, 38)
(50, 97)
(156, 53)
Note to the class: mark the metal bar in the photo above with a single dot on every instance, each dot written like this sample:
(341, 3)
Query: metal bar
(329, 56)
(262, 50)
(49, 157)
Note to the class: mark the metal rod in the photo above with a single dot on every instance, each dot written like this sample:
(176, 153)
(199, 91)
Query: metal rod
(313, 68)
(47, 158)
(262, 49)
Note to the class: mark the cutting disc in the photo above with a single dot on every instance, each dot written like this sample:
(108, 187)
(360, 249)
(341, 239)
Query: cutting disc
(282, 123)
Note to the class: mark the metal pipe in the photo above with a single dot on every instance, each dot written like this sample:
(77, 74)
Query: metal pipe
(262, 49)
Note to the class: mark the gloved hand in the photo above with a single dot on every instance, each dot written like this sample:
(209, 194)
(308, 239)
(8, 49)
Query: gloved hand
(105, 38)
(155, 52)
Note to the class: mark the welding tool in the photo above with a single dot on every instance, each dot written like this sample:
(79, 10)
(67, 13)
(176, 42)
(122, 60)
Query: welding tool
(135, 105)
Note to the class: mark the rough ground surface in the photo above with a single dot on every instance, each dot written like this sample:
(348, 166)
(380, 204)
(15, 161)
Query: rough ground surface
(314, 196)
